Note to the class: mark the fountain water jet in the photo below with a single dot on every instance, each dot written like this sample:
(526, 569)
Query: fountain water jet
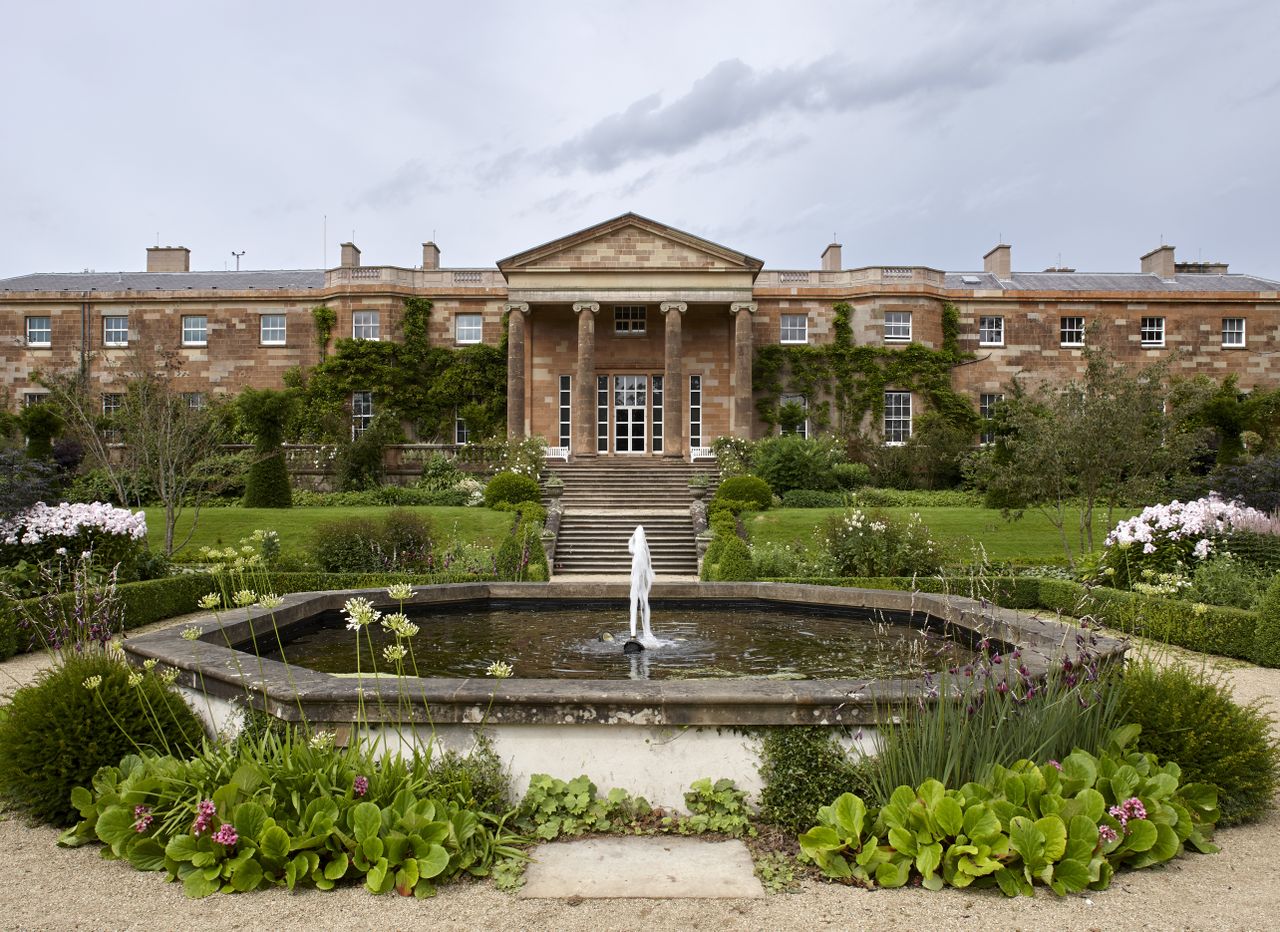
(641, 583)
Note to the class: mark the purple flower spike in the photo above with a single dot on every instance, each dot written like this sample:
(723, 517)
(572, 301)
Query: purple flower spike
(360, 785)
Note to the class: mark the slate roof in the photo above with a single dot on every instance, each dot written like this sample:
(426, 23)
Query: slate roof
(294, 279)
(1110, 281)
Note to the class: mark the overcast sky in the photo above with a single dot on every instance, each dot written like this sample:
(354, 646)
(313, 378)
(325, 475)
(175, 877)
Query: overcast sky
(916, 132)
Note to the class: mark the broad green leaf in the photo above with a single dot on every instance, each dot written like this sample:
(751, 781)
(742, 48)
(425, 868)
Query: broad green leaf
(902, 841)
(435, 862)
(82, 799)
(1124, 782)
(1028, 841)
(365, 820)
(949, 816)
(928, 858)
(181, 848)
(425, 889)
(1159, 786)
(407, 877)
(1166, 844)
(249, 819)
(893, 873)
(275, 844)
(248, 777)
(1055, 836)
(321, 816)
(115, 828)
(850, 812)
(931, 791)
(1141, 835)
(145, 854)
(337, 868)
(1079, 771)
(820, 838)
(1072, 874)
(1011, 884)
(197, 885)
(373, 848)
(980, 822)
(246, 875)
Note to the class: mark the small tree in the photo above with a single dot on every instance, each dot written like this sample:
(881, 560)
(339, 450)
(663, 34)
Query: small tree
(23, 482)
(155, 439)
(266, 413)
(1105, 441)
(40, 423)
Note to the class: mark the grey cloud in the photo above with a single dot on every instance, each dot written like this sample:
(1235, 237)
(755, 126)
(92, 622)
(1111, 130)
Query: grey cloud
(733, 95)
(403, 185)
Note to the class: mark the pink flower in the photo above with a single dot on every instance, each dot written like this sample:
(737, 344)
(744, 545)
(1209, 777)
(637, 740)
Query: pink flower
(360, 785)
(1107, 834)
(1134, 809)
(226, 835)
(1054, 763)
(142, 818)
(205, 812)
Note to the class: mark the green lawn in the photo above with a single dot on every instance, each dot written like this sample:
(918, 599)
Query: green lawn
(1031, 538)
(224, 527)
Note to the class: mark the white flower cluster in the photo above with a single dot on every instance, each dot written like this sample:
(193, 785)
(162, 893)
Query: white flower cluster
(42, 521)
(1202, 520)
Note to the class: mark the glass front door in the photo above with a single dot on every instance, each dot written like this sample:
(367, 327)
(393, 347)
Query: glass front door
(630, 404)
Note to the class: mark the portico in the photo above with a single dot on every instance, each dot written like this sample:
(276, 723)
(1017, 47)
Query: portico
(629, 339)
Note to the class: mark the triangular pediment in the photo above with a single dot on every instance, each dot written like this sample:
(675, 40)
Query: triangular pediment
(631, 243)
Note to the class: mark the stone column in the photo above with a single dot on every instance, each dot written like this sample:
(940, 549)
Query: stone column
(584, 396)
(673, 409)
(740, 423)
(516, 313)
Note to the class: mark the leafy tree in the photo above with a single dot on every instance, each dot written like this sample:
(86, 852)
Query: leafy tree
(265, 413)
(1098, 443)
(23, 482)
(155, 440)
(40, 423)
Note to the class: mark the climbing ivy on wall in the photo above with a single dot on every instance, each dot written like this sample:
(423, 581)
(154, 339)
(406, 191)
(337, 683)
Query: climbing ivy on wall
(412, 381)
(853, 378)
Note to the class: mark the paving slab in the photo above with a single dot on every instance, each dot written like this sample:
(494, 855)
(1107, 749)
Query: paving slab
(658, 867)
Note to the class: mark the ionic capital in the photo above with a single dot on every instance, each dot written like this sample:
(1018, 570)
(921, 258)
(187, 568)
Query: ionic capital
(591, 306)
(521, 307)
(748, 306)
(678, 306)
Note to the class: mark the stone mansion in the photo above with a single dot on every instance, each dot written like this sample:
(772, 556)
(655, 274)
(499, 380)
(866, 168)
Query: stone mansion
(631, 338)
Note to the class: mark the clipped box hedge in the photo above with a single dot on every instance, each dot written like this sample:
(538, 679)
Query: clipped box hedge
(1210, 629)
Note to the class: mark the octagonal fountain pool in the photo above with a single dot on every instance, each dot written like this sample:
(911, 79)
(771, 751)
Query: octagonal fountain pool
(727, 657)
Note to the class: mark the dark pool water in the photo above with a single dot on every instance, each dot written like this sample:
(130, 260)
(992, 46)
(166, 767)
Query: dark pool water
(563, 640)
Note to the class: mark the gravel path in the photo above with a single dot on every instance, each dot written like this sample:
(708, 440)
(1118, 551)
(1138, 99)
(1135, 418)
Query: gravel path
(46, 887)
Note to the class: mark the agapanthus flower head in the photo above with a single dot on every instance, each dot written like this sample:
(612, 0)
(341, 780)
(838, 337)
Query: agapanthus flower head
(394, 653)
(244, 598)
(360, 612)
(401, 592)
(498, 670)
(169, 676)
(135, 678)
(322, 740)
(92, 682)
(270, 601)
(191, 633)
(149, 663)
(210, 601)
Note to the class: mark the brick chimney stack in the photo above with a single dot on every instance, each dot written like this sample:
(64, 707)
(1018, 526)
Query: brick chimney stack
(430, 256)
(831, 261)
(1159, 261)
(999, 262)
(350, 256)
(168, 259)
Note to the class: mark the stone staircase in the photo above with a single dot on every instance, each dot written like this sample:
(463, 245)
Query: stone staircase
(605, 500)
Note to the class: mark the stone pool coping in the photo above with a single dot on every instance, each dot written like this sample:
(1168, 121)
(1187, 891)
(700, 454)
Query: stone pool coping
(209, 665)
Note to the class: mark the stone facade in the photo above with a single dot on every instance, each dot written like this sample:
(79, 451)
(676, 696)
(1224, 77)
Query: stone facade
(632, 301)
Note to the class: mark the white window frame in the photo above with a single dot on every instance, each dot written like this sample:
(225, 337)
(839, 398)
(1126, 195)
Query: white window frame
(366, 325)
(990, 330)
(468, 328)
(987, 401)
(1151, 331)
(111, 327)
(461, 434)
(361, 413)
(695, 411)
(263, 330)
(1063, 329)
(188, 327)
(1234, 331)
(630, 319)
(894, 435)
(46, 329)
(195, 400)
(794, 328)
(34, 398)
(565, 398)
(893, 332)
(803, 429)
